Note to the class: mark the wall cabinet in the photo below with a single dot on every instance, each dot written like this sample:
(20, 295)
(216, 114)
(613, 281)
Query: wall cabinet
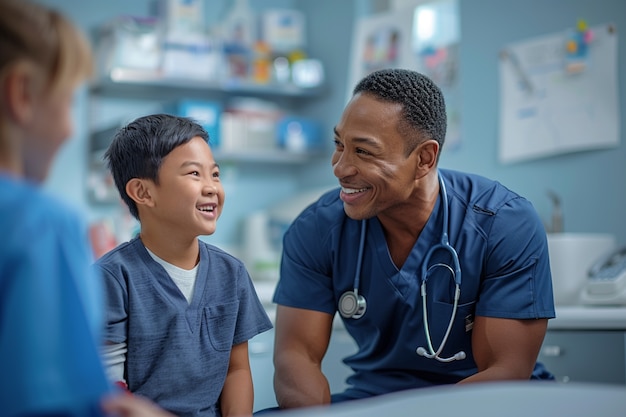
(586, 344)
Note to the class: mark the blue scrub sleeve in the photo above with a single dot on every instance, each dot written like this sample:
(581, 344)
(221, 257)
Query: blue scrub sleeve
(518, 282)
(50, 318)
(305, 278)
(251, 316)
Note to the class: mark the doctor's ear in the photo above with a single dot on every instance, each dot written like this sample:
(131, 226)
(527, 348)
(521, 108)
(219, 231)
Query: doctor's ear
(426, 153)
(139, 191)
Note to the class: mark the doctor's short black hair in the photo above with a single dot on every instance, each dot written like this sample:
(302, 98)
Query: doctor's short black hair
(138, 149)
(423, 104)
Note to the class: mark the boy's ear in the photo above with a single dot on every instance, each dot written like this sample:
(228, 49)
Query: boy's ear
(139, 191)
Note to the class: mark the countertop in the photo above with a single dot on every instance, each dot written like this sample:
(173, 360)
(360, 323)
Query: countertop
(588, 318)
(567, 317)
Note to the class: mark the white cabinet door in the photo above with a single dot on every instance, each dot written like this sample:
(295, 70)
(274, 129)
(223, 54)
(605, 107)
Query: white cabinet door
(585, 355)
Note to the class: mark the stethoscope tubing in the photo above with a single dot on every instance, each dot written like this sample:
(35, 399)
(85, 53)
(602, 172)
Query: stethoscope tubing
(455, 271)
(359, 261)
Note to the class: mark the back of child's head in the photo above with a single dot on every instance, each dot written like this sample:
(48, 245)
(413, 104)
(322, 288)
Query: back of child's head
(42, 36)
(138, 149)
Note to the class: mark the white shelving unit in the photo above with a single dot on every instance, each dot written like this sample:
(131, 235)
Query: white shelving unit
(121, 82)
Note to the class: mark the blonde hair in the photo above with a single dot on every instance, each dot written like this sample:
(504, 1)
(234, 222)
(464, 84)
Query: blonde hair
(43, 36)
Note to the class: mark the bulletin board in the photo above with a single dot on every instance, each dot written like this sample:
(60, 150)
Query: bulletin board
(553, 101)
(380, 41)
(392, 40)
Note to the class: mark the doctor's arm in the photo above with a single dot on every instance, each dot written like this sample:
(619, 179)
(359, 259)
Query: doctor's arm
(302, 338)
(506, 349)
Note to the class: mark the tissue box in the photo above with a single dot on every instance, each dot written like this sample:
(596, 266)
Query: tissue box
(195, 56)
(284, 30)
(129, 42)
(247, 132)
(298, 134)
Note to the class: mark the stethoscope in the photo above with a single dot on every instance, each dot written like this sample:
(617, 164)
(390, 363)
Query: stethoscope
(353, 305)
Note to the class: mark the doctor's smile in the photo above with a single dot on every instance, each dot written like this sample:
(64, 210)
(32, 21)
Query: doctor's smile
(352, 195)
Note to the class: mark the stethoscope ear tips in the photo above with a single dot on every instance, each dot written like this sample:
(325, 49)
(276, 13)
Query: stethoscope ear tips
(459, 356)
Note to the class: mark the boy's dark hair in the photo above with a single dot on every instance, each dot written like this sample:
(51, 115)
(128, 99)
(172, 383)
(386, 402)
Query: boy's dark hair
(423, 105)
(138, 149)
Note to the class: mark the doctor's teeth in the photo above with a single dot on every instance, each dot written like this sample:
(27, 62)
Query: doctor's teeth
(352, 190)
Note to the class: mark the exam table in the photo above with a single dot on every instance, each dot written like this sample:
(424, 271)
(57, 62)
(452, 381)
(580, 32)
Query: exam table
(489, 399)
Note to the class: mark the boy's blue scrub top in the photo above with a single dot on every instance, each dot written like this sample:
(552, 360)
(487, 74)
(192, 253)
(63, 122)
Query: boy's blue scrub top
(502, 250)
(178, 350)
(50, 308)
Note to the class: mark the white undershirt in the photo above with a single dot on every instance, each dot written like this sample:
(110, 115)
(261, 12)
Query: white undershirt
(114, 355)
(185, 279)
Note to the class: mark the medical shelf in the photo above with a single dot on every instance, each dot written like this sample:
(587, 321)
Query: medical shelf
(128, 83)
(266, 157)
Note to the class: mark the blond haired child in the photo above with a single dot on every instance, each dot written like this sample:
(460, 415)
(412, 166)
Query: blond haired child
(50, 302)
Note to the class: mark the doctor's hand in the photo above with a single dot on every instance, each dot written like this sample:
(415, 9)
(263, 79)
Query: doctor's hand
(128, 405)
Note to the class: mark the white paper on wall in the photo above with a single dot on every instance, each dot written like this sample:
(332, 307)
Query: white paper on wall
(548, 106)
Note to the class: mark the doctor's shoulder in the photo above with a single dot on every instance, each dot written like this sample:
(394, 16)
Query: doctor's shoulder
(324, 213)
(482, 194)
(325, 207)
(314, 225)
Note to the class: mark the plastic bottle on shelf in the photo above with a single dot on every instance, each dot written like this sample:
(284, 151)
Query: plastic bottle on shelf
(239, 36)
(261, 63)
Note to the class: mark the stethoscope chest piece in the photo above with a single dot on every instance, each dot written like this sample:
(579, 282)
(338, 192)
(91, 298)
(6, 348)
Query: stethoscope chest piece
(352, 305)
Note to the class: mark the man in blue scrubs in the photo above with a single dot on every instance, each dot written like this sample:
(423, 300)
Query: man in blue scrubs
(364, 250)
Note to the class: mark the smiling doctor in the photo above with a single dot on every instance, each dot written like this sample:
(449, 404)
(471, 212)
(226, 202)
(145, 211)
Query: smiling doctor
(441, 277)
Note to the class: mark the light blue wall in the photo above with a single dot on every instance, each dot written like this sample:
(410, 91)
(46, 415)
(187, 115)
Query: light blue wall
(590, 183)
